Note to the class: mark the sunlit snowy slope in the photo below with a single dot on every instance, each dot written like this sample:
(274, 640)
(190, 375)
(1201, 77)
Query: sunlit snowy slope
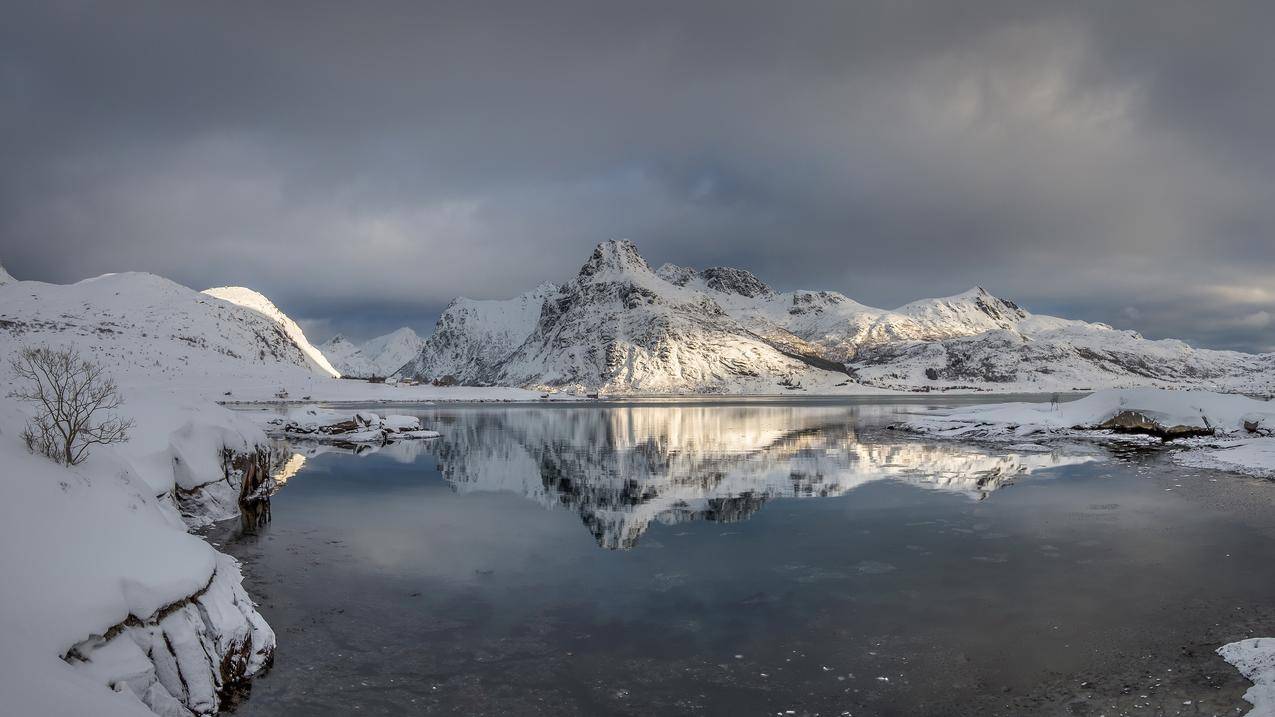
(147, 329)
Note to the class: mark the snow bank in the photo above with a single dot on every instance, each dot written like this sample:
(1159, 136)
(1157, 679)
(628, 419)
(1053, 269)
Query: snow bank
(1255, 659)
(100, 571)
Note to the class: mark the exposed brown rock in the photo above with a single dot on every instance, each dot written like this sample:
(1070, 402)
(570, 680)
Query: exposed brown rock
(1140, 423)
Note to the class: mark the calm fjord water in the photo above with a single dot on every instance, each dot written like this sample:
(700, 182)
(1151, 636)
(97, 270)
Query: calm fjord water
(750, 559)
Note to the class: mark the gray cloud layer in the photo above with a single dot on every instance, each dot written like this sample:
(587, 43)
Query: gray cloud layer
(367, 162)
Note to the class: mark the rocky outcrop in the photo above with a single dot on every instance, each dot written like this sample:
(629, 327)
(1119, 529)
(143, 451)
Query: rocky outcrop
(189, 658)
(341, 430)
(222, 498)
(1137, 422)
(736, 281)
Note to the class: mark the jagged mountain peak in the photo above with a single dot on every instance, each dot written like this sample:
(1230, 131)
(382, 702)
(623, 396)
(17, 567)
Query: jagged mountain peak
(974, 300)
(5, 277)
(730, 280)
(617, 256)
(675, 274)
(722, 279)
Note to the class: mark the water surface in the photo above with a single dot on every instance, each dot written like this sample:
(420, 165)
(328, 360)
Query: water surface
(756, 558)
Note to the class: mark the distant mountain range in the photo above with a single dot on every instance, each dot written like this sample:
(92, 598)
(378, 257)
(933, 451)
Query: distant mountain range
(621, 327)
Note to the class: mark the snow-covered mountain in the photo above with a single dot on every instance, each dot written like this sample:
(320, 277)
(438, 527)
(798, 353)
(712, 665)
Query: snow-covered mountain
(5, 277)
(347, 357)
(381, 356)
(149, 330)
(388, 353)
(617, 327)
(620, 327)
(472, 338)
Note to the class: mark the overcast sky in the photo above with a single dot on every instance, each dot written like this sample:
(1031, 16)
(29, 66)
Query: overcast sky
(363, 163)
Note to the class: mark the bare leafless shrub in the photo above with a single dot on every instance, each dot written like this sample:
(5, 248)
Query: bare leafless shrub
(74, 400)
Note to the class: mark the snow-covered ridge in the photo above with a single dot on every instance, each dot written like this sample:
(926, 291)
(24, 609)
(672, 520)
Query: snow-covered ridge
(620, 327)
(254, 300)
(5, 277)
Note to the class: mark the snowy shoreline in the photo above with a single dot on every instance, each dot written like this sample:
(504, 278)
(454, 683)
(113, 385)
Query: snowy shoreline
(1255, 659)
(1205, 430)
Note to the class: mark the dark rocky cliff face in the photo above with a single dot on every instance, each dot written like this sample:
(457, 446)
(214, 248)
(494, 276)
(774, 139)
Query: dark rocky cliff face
(736, 281)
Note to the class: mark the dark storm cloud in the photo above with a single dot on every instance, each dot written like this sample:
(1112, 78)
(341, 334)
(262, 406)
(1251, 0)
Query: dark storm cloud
(364, 163)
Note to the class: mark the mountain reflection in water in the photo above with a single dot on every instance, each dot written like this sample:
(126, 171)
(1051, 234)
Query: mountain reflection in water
(623, 468)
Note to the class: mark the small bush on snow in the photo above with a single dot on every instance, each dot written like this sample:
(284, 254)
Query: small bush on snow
(74, 400)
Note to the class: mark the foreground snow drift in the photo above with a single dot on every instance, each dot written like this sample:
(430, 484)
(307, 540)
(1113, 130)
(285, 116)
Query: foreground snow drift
(1255, 659)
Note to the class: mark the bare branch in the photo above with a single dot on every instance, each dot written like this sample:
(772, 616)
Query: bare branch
(73, 399)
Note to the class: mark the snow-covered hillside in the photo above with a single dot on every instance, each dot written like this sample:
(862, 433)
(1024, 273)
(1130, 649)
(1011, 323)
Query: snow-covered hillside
(149, 330)
(5, 277)
(250, 299)
(381, 356)
(620, 327)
